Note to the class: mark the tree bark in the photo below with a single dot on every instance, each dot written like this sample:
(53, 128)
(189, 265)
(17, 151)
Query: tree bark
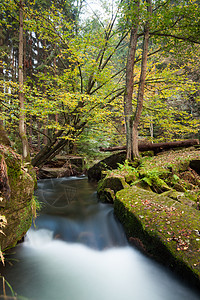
(43, 153)
(22, 129)
(2, 39)
(140, 95)
(128, 107)
(156, 147)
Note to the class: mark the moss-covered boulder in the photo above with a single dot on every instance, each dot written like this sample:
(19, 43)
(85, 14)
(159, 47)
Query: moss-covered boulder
(157, 201)
(108, 187)
(169, 230)
(17, 204)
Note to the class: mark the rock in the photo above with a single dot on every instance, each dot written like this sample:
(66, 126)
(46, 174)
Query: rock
(173, 194)
(109, 163)
(137, 243)
(179, 188)
(17, 205)
(195, 165)
(180, 196)
(166, 228)
(46, 172)
(108, 187)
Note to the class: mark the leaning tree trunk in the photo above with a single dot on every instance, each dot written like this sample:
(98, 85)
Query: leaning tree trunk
(22, 130)
(54, 146)
(140, 95)
(44, 153)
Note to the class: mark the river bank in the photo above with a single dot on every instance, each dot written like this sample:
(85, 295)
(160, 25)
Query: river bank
(157, 201)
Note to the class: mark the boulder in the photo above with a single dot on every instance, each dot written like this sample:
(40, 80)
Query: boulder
(195, 165)
(169, 230)
(109, 163)
(17, 204)
(108, 187)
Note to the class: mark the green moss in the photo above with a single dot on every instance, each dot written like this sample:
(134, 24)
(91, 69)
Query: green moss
(18, 209)
(13, 162)
(166, 220)
(109, 185)
(160, 223)
(24, 223)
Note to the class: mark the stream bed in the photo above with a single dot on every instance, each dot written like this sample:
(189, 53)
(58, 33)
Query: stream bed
(77, 250)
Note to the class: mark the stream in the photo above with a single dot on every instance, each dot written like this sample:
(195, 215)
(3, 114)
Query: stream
(77, 250)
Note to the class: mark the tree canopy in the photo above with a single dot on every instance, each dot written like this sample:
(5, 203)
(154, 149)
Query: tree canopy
(75, 73)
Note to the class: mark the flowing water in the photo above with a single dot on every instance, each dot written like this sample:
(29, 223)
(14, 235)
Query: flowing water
(78, 251)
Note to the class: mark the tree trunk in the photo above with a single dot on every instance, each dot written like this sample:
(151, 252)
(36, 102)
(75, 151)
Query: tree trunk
(140, 95)
(45, 130)
(2, 39)
(38, 136)
(22, 130)
(44, 153)
(128, 107)
(31, 133)
(55, 146)
(157, 147)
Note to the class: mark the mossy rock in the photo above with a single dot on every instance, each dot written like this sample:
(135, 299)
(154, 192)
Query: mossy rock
(179, 187)
(180, 197)
(168, 229)
(95, 172)
(17, 206)
(173, 194)
(108, 187)
(129, 178)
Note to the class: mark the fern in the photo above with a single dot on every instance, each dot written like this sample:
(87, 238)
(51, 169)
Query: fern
(127, 167)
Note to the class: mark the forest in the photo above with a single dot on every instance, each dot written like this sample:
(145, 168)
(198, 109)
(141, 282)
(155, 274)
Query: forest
(76, 77)
(79, 78)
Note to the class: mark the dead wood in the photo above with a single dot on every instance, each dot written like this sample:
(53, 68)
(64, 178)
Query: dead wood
(157, 147)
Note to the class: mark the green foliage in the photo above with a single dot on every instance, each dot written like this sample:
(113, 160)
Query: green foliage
(127, 167)
(4, 284)
(152, 178)
(75, 72)
(36, 206)
(175, 178)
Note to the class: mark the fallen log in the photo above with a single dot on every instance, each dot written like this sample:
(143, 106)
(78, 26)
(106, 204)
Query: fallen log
(157, 147)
